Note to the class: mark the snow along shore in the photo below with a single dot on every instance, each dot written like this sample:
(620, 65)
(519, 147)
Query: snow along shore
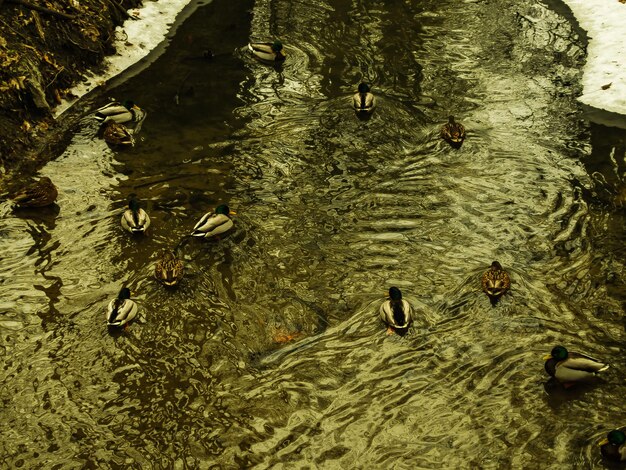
(145, 31)
(604, 74)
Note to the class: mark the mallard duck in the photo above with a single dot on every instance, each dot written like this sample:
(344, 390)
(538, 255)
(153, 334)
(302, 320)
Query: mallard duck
(613, 447)
(267, 51)
(121, 113)
(364, 101)
(453, 132)
(169, 270)
(396, 312)
(135, 219)
(495, 282)
(117, 134)
(571, 367)
(121, 310)
(39, 194)
(214, 223)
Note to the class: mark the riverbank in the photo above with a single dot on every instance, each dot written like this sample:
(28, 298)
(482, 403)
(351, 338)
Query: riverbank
(52, 56)
(43, 53)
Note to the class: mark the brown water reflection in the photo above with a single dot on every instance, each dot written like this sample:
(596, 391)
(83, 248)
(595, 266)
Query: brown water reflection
(270, 352)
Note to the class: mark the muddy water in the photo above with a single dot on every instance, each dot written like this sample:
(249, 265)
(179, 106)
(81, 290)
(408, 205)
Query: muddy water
(271, 354)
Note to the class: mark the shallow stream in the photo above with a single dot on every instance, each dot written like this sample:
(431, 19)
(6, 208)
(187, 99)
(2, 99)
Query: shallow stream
(271, 353)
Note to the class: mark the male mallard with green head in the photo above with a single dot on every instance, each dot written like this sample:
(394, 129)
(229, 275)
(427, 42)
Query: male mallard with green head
(613, 447)
(267, 51)
(121, 310)
(453, 132)
(364, 101)
(117, 134)
(126, 112)
(495, 282)
(169, 270)
(135, 219)
(214, 223)
(571, 367)
(396, 312)
(39, 194)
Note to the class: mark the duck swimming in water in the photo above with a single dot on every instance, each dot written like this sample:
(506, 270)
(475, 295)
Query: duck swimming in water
(214, 223)
(364, 101)
(121, 310)
(169, 270)
(267, 51)
(121, 113)
(453, 132)
(396, 312)
(495, 282)
(613, 447)
(39, 194)
(117, 134)
(572, 367)
(135, 219)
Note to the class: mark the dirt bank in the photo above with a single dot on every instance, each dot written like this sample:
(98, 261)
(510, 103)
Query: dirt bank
(45, 47)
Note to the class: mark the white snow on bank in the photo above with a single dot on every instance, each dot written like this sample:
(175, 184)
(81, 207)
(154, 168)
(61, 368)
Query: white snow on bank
(605, 23)
(134, 40)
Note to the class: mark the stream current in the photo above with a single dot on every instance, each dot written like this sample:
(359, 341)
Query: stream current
(271, 354)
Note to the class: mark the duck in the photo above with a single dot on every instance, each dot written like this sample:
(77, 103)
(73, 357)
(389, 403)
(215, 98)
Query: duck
(364, 101)
(135, 219)
(267, 51)
(169, 270)
(396, 312)
(117, 134)
(495, 282)
(121, 310)
(613, 447)
(571, 367)
(214, 223)
(121, 113)
(453, 132)
(38, 194)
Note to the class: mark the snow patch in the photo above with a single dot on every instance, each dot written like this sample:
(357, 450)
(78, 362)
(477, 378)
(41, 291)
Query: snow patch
(604, 74)
(140, 34)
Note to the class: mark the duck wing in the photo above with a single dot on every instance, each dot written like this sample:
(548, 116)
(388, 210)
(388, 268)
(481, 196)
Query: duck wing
(388, 314)
(135, 221)
(364, 102)
(265, 47)
(36, 195)
(114, 112)
(580, 362)
(212, 224)
(121, 311)
(169, 270)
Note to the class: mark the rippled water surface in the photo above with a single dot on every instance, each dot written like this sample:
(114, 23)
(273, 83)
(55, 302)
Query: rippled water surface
(271, 353)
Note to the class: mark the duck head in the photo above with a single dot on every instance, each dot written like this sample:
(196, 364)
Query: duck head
(124, 293)
(364, 88)
(133, 204)
(224, 209)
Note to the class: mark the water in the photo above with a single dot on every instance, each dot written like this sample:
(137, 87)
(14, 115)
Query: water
(271, 354)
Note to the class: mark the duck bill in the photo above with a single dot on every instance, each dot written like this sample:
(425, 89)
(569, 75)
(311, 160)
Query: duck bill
(232, 213)
(603, 442)
(547, 356)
